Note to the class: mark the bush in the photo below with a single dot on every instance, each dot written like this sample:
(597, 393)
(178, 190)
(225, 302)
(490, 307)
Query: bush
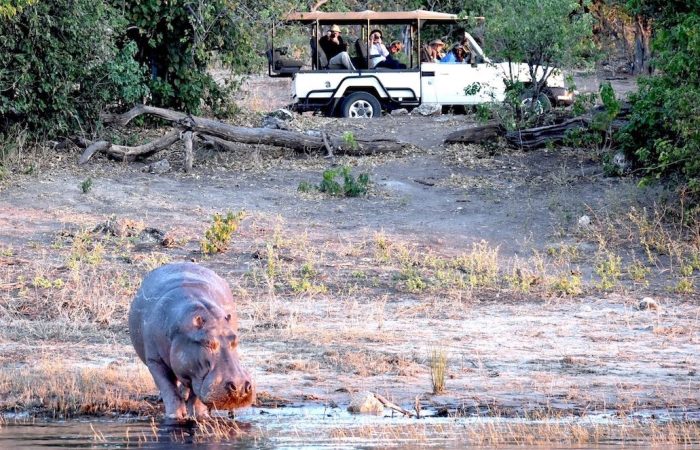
(351, 187)
(62, 66)
(663, 134)
(179, 39)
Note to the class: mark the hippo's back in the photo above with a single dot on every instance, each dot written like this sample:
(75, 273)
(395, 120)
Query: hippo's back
(165, 292)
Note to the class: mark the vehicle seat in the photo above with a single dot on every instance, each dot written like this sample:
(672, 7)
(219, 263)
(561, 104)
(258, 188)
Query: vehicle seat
(316, 50)
(360, 61)
(281, 63)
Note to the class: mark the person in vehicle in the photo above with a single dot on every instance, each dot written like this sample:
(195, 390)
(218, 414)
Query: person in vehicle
(433, 52)
(336, 49)
(456, 55)
(390, 62)
(377, 50)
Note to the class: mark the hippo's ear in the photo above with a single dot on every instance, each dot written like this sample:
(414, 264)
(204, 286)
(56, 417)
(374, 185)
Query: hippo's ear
(198, 321)
(228, 317)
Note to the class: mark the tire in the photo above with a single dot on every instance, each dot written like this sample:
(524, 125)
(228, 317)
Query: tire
(539, 107)
(361, 105)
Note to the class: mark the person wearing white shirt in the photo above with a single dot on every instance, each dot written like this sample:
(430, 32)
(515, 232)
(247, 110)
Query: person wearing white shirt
(377, 50)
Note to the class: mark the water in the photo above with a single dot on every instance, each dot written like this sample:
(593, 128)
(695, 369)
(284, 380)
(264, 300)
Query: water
(326, 428)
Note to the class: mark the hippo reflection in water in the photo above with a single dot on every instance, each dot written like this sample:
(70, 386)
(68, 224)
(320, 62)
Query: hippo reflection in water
(183, 326)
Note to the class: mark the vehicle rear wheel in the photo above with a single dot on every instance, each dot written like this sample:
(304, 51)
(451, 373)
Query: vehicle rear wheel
(361, 104)
(538, 107)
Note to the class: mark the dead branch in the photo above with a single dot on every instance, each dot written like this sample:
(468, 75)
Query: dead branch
(126, 153)
(187, 137)
(384, 401)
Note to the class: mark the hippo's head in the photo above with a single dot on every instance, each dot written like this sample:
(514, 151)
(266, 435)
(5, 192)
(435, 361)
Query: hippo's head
(204, 356)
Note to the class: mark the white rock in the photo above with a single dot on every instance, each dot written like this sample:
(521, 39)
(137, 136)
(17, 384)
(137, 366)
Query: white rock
(621, 163)
(283, 114)
(584, 221)
(428, 109)
(365, 403)
(399, 112)
(159, 167)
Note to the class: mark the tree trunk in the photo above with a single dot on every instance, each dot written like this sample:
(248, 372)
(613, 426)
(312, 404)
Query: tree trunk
(642, 46)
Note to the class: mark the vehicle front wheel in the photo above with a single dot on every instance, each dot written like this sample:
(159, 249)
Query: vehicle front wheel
(361, 104)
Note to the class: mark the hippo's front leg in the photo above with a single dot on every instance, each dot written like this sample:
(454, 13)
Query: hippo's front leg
(167, 384)
(196, 408)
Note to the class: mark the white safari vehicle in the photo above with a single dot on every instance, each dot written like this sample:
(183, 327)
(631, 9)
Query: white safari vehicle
(365, 92)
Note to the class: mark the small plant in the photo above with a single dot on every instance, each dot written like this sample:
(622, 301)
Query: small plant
(438, 370)
(305, 186)
(684, 286)
(567, 285)
(217, 237)
(351, 187)
(638, 272)
(609, 270)
(45, 283)
(86, 185)
(85, 250)
(349, 140)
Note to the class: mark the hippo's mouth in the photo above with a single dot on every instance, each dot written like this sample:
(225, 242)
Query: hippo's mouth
(227, 402)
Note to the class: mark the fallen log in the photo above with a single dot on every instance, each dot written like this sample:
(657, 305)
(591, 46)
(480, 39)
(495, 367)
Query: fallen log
(531, 138)
(301, 142)
(475, 135)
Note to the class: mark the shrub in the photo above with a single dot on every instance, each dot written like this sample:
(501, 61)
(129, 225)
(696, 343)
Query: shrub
(351, 187)
(663, 133)
(218, 236)
(62, 66)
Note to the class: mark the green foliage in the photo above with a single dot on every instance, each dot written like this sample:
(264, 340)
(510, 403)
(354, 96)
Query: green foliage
(86, 185)
(217, 237)
(349, 139)
(663, 133)
(351, 187)
(179, 39)
(599, 134)
(9, 8)
(545, 34)
(61, 66)
(609, 269)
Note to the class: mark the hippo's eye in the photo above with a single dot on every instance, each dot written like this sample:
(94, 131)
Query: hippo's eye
(211, 345)
(234, 342)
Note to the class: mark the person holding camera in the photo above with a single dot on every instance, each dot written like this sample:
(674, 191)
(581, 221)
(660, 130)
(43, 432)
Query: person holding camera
(377, 50)
(336, 49)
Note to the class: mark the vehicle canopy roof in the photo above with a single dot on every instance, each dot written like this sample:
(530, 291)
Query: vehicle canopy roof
(373, 17)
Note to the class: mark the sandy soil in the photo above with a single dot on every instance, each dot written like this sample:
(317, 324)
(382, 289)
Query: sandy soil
(357, 323)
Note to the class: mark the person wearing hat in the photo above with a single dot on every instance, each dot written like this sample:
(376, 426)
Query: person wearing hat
(433, 51)
(336, 49)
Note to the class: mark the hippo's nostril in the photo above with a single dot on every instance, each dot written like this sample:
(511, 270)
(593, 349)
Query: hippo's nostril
(231, 386)
(247, 387)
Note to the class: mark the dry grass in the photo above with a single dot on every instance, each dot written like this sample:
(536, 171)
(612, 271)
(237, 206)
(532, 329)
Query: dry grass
(52, 387)
(491, 432)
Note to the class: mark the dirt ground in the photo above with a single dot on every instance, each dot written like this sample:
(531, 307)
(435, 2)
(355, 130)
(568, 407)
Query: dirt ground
(472, 252)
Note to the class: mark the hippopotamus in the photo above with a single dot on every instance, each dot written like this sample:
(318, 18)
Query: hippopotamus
(183, 326)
